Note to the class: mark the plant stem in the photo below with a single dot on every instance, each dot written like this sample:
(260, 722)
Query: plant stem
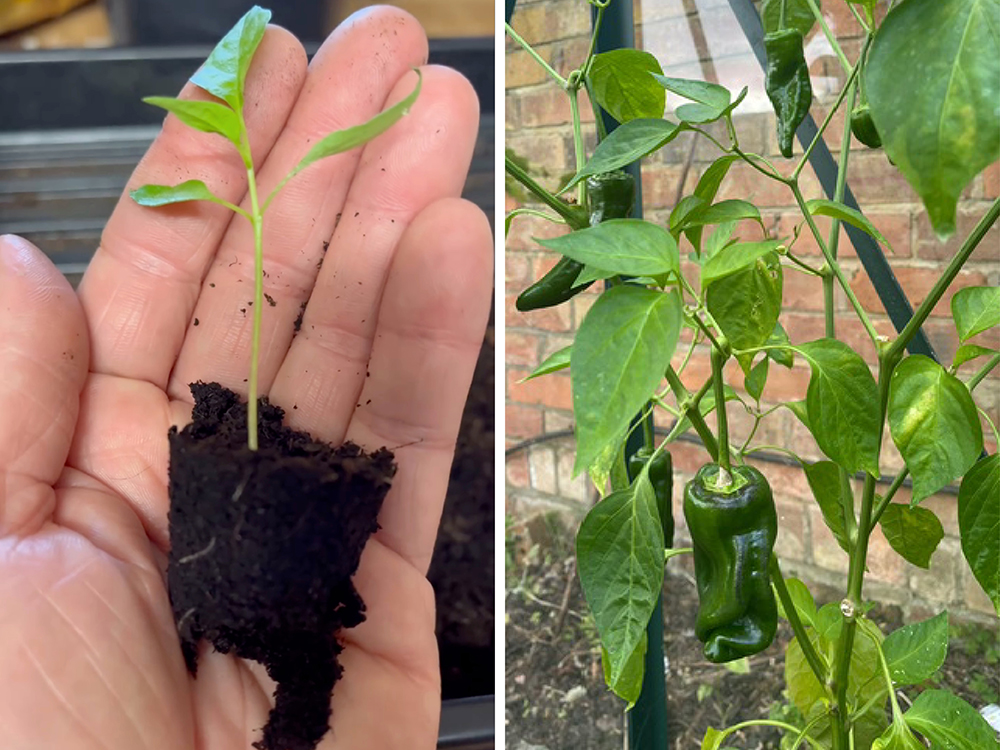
(538, 58)
(983, 371)
(581, 158)
(832, 263)
(575, 216)
(942, 284)
(718, 360)
(830, 37)
(683, 397)
(258, 304)
(816, 664)
(806, 268)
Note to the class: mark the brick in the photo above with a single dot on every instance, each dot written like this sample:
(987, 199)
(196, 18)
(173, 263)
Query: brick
(553, 343)
(801, 291)
(825, 551)
(792, 539)
(551, 21)
(991, 181)
(556, 421)
(520, 69)
(787, 385)
(939, 583)
(553, 390)
(542, 469)
(884, 563)
(549, 105)
(517, 272)
(580, 488)
(875, 181)
(916, 283)
(929, 247)
(522, 421)
(974, 596)
(581, 305)
(801, 327)
(547, 152)
(548, 319)
(659, 184)
(517, 470)
(746, 183)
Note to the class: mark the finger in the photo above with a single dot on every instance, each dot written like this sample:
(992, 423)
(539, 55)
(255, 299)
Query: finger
(142, 284)
(43, 358)
(349, 81)
(430, 328)
(401, 173)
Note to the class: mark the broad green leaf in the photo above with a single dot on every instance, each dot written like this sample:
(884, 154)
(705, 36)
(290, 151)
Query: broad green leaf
(898, 737)
(724, 211)
(934, 423)
(717, 240)
(949, 722)
(621, 350)
(916, 651)
(833, 209)
(162, 195)
(699, 114)
(803, 601)
(622, 85)
(914, 532)
(975, 309)
(933, 84)
(842, 404)
(601, 470)
(754, 382)
(632, 140)
(798, 408)
(707, 188)
(556, 361)
(832, 491)
(829, 621)
(208, 117)
(632, 247)
(746, 304)
(703, 92)
(733, 259)
(968, 352)
(784, 356)
(687, 208)
(348, 138)
(713, 739)
(619, 554)
(979, 524)
(628, 684)
(224, 72)
(798, 15)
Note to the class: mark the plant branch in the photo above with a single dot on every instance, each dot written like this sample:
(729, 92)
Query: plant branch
(575, 216)
(830, 36)
(538, 58)
(813, 659)
(689, 409)
(942, 284)
(258, 304)
(718, 360)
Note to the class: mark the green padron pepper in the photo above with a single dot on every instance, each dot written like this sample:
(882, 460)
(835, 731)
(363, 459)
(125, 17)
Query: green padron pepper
(732, 532)
(609, 196)
(787, 83)
(863, 126)
(661, 476)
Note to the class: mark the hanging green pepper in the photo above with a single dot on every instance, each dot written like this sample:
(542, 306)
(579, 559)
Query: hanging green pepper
(733, 530)
(863, 126)
(661, 476)
(787, 83)
(610, 196)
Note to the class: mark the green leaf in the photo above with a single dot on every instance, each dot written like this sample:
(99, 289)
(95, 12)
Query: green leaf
(602, 469)
(843, 406)
(934, 423)
(707, 188)
(619, 553)
(802, 600)
(632, 247)
(553, 363)
(755, 381)
(162, 195)
(706, 406)
(348, 138)
(224, 73)
(698, 114)
(724, 211)
(968, 352)
(798, 15)
(622, 85)
(829, 621)
(975, 309)
(721, 238)
(733, 259)
(823, 207)
(686, 209)
(208, 117)
(713, 739)
(747, 303)
(832, 491)
(628, 684)
(979, 524)
(916, 651)
(898, 737)
(798, 408)
(785, 356)
(620, 353)
(933, 84)
(913, 532)
(710, 94)
(949, 722)
(625, 144)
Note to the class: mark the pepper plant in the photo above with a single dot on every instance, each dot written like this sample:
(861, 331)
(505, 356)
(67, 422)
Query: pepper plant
(223, 75)
(925, 87)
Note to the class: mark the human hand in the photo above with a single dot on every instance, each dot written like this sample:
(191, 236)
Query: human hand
(89, 652)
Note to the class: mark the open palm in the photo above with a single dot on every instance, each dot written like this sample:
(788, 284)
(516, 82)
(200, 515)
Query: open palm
(393, 319)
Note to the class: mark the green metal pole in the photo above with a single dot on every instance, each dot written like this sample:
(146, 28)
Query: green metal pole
(647, 721)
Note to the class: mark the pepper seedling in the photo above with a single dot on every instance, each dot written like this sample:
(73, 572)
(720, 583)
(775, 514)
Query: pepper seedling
(223, 75)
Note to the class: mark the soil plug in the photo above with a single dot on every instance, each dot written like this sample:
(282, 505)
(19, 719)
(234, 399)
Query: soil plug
(267, 524)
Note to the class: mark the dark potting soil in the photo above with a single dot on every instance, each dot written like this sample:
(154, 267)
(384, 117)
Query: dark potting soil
(263, 547)
(462, 569)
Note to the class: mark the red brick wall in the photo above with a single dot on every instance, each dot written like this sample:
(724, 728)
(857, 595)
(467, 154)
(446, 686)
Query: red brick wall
(538, 128)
